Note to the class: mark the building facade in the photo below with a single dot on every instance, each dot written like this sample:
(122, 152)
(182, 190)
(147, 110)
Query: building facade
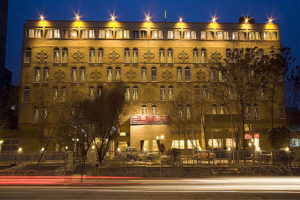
(158, 62)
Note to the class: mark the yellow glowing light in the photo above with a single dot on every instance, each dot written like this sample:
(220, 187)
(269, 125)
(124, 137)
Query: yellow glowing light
(77, 17)
(113, 17)
(180, 19)
(229, 149)
(42, 149)
(20, 150)
(118, 149)
(42, 17)
(246, 20)
(148, 18)
(249, 144)
(214, 19)
(78, 24)
(157, 138)
(1, 141)
(66, 147)
(93, 147)
(145, 149)
(287, 149)
(270, 20)
(162, 137)
(200, 149)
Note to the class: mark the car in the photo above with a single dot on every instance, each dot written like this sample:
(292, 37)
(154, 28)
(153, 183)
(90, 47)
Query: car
(129, 153)
(204, 155)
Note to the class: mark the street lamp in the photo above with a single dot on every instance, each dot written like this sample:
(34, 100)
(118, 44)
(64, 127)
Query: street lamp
(1, 142)
(20, 153)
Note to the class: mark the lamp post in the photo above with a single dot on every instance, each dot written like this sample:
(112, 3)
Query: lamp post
(1, 142)
(161, 149)
(20, 150)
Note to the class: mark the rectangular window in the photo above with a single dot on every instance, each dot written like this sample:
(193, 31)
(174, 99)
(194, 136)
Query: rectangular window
(215, 143)
(109, 34)
(74, 33)
(274, 35)
(242, 35)
(235, 35)
(257, 36)
(38, 33)
(251, 35)
(30, 33)
(91, 33)
(56, 33)
(170, 35)
(160, 35)
(226, 35)
(66, 33)
(126, 34)
(193, 144)
(219, 35)
(154, 35)
(178, 144)
(101, 34)
(84, 34)
(194, 35)
(49, 33)
(119, 34)
(187, 35)
(210, 35)
(203, 35)
(176, 35)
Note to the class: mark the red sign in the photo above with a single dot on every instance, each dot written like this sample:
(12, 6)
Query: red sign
(249, 136)
(149, 120)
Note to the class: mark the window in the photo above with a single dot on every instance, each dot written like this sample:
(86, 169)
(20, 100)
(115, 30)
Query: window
(215, 143)
(37, 75)
(203, 35)
(219, 35)
(257, 35)
(100, 55)
(38, 33)
(162, 55)
(256, 111)
(28, 55)
(126, 34)
(222, 109)
(251, 35)
(226, 35)
(176, 35)
(193, 144)
(180, 111)
(143, 34)
(35, 116)
(73, 74)
(63, 94)
(66, 33)
(210, 35)
(30, 33)
(54, 94)
(154, 110)
(144, 110)
(127, 55)
(170, 55)
(213, 75)
(274, 36)
(160, 35)
(194, 35)
(91, 33)
(101, 34)
(135, 55)
(56, 55)
(91, 93)
(171, 92)
(74, 33)
(162, 93)
(203, 55)
(197, 93)
(109, 74)
(118, 74)
(153, 74)
(49, 33)
(144, 74)
(179, 74)
(228, 53)
(109, 34)
(188, 111)
(170, 35)
(136, 34)
(281, 112)
(119, 34)
(187, 35)
(220, 76)
(187, 74)
(178, 144)
(127, 93)
(46, 75)
(235, 35)
(26, 97)
(214, 109)
(64, 58)
(135, 93)
(84, 33)
(247, 111)
(154, 34)
(204, 93)
(82, 74)
(242, 35)
(267, 35)
(56, 33)
(92, 55)
(196, 55)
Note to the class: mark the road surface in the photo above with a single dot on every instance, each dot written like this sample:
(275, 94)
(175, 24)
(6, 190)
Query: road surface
(140, 188)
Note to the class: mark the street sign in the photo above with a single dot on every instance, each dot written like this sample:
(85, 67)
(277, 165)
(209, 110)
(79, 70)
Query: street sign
(162, 148)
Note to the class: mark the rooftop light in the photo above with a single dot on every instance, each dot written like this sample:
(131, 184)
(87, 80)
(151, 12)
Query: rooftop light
(270, 20)
(42, 17)
(214, 19)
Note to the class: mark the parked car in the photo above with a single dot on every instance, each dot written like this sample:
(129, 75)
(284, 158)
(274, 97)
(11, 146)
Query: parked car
(204, 155)
(129, 153)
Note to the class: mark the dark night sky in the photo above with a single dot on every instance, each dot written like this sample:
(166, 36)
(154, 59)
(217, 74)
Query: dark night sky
(285, 12)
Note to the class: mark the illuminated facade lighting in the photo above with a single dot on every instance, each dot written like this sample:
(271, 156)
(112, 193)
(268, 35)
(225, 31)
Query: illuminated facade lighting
(148, 18)
(42, 17)
(77, 17)
(214, 19)
(246, 20)
(20, 149)
(180, 19)
(42, 149)
(113, 18)
(270, 20)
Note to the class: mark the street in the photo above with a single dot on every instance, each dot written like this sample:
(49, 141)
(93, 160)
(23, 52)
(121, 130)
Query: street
(140, 188)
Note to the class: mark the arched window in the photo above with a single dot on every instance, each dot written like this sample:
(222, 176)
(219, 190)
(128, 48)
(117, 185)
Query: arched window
(188, 111)
(179, 74)
(46, 75)
(63, 94)
(196, 55)
(256, 111)
(64, 58)
(56, 55)
(100, 55)
(143, 34)
(180, 111)
(135, 55)
(144, 110)
(26, 96)
(82, 74)
(214, 109)
(228, 53)
(99, 91)
(28, 55)
(154, 110)
(144, 74)
(118, 74)
(162, 93)
(73, 74)
(203, 55)
(204, 93)
(170, 55)
(54, 94)
(109, 74)
(171, 92)
(127, 93)
(92, 55)
(197, 93)
(162, 55)
(91, 93)
(35, 116)
(222, 109)
(126, 55)
(153, 74)
(37, 75)
(74, 33)
(135, 93)
(187, 74)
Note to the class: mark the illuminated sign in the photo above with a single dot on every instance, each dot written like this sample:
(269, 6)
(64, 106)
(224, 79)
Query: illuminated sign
(249, 136)
(149, 120)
